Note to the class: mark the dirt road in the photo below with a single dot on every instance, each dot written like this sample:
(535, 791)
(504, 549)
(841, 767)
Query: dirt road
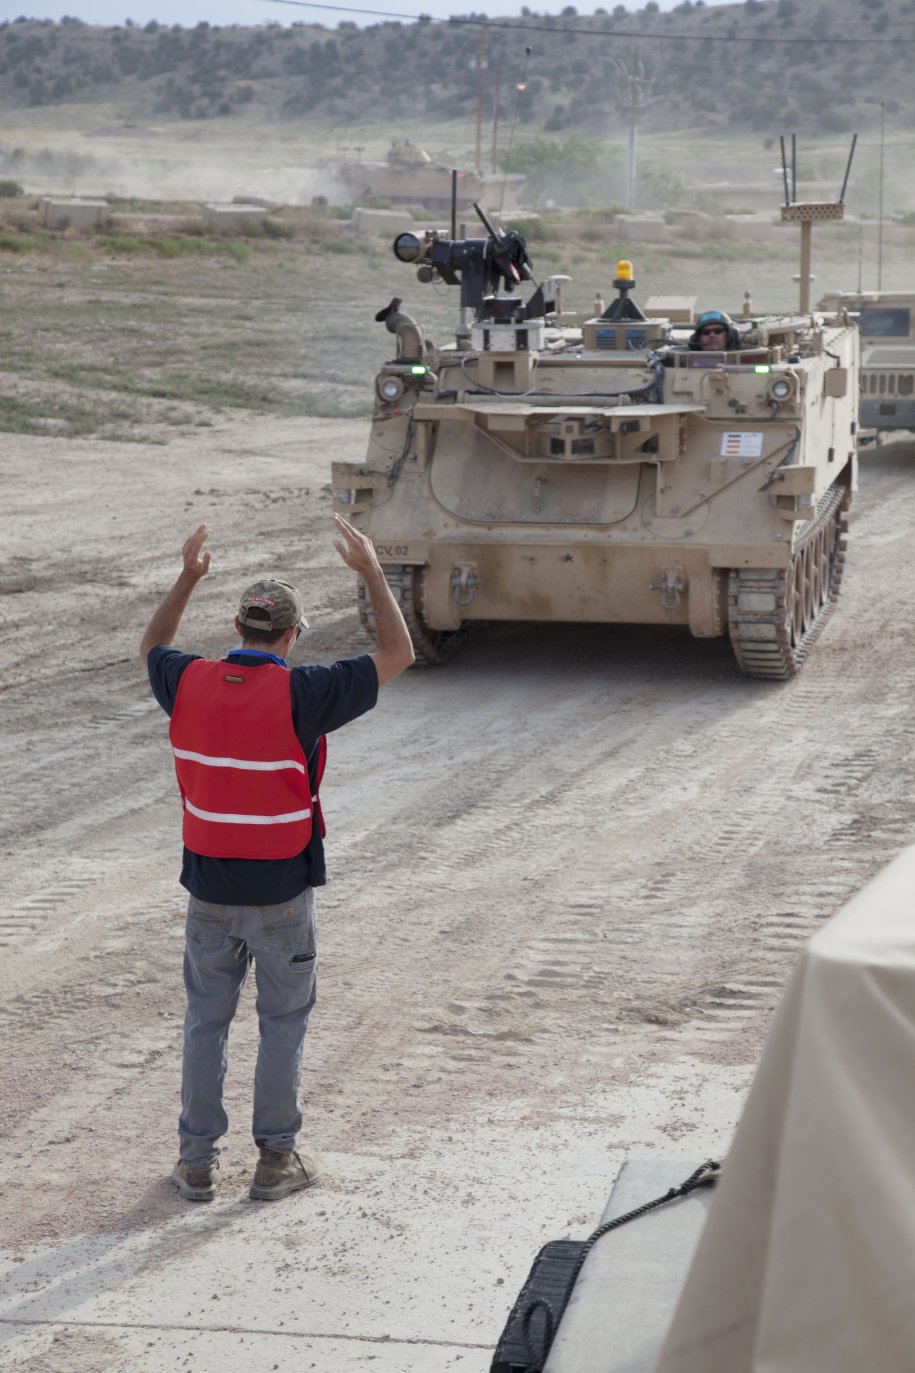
(569, 875)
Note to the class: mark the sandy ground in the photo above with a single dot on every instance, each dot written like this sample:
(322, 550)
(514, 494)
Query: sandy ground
(569, 875)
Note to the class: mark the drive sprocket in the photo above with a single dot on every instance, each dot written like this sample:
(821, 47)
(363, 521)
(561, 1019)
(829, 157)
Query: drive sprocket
(431, 646)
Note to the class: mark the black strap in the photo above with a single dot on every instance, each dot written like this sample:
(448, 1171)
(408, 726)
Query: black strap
(704, 1176)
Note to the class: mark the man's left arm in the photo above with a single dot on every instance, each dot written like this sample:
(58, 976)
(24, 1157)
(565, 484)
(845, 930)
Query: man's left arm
(163, 627)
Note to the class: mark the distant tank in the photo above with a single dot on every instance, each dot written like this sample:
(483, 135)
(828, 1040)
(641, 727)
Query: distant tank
(886, 322)
(409, 176)
(553, 468)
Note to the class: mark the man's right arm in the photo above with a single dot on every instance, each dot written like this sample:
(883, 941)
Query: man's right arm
(395, 649)
(163, 626)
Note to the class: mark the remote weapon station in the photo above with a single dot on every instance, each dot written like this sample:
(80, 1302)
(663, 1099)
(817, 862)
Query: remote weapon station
(551, 467)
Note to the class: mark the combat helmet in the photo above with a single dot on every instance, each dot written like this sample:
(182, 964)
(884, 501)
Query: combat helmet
(715, 317)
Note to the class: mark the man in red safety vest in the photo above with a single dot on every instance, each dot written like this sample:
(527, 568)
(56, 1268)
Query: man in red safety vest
(248, 734)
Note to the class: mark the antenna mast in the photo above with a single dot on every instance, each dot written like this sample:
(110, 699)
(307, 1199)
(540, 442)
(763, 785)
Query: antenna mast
(807, 213)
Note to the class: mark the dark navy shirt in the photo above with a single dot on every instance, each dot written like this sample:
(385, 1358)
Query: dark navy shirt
(323, 699)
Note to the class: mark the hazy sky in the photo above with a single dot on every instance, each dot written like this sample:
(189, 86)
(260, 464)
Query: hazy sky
(190, 12)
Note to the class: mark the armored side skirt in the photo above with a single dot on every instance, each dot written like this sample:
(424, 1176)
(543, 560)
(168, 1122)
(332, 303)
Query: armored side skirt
(585, 583)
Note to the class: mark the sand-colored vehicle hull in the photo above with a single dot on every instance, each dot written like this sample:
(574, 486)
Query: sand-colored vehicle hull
(610, 474)
(409, 176)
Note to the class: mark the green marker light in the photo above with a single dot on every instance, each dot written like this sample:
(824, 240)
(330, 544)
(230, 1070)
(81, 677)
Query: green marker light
(762, 369)
(420, 371)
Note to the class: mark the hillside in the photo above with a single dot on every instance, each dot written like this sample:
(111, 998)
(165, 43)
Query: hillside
(763, 65)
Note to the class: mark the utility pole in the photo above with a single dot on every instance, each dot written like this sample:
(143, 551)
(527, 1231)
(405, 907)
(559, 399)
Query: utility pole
(632, 92)
(480, 67)
(880, 199)
(495, 114)
(520, 88)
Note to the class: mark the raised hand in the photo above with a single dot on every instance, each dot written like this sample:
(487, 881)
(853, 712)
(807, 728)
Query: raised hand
(356, 550)
(196, 559)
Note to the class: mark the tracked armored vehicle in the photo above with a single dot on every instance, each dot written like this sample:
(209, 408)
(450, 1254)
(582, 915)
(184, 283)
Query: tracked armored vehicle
(546, 467)
(409, 176)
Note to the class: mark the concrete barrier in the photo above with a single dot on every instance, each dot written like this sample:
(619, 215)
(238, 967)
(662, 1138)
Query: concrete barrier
(59, 213)
(695, 220)
(234, 218)
(755, 229)
(381, 223)
(642, 229)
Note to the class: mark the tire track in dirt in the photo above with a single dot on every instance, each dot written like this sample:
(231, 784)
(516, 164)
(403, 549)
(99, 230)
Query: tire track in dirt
(570, 853)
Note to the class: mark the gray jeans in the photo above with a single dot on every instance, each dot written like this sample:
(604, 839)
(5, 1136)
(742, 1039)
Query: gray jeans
(222, 942)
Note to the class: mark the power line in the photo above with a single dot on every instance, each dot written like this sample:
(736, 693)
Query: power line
(642, 34)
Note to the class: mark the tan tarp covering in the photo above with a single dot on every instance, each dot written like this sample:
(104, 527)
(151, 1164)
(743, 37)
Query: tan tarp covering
(807, 1260)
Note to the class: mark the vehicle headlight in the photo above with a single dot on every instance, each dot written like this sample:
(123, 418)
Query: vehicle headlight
(781, 389)
(389, 388)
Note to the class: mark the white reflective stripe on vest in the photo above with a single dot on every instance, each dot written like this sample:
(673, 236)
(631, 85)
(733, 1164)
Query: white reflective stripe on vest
(223, 818)
(247, 764)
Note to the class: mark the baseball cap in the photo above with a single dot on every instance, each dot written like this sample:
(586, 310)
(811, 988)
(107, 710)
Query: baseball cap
(272, 604)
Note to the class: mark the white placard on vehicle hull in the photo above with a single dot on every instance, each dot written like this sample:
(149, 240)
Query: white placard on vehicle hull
(741, 443)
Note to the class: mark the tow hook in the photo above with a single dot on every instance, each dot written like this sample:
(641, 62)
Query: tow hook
(464, 581)
(671, 588)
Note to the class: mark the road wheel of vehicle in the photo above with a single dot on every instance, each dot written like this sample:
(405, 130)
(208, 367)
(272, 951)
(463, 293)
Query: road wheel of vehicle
(776, 616)
(431, 646)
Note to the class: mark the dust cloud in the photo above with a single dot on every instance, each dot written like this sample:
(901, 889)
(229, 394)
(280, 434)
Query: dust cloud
(151, 164)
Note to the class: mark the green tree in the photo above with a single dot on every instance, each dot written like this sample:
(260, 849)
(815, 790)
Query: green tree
(571, 167)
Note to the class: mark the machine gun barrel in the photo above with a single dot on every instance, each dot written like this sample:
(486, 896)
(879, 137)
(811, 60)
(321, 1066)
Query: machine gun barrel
(494, 233)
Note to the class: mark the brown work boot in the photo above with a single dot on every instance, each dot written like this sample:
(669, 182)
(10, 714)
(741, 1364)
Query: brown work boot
(195, 1180)
(276, 1174)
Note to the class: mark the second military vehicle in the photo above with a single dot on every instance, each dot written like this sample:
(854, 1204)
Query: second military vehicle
(409, 176)
(605, 470)
(886, 322)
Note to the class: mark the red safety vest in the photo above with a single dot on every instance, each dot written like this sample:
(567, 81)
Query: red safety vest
(241, 769)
